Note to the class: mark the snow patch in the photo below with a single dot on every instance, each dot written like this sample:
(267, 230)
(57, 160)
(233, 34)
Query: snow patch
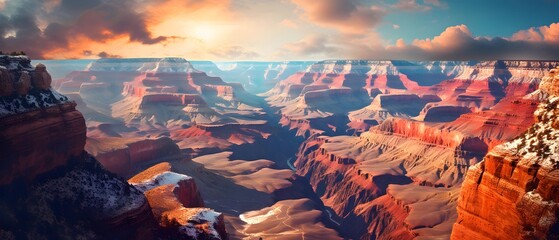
(164, 178)
(202, 215)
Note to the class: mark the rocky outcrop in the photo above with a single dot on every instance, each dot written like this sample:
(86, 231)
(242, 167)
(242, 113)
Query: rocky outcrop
(484, 84)
(6, 82)
(39, 128)
(460, 87)
(23, 85)
(182, 187)
(219, 136)
(55, 188)
(79, 199)
(25, 88)
(352, 174)
(519, 180)
(122, 155)
(46, 175)
(41, 78)
(386, 106)
(348, 173)
(177, 204)
(504, 121)
(441, 113)
(288, 219)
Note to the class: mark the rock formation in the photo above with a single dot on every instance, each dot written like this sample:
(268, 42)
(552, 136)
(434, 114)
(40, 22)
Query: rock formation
(122, 155)
(513, 193)
(148, 99)
(44, 163)
(23, 85)
(177, 204)
(6, 82)
(283, 221)
(57, 190)
(460, 87)
(41, 78)
(39, 131)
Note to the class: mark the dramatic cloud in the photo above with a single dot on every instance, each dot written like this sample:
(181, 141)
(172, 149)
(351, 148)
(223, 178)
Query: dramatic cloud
(348, 16)
(548, 34)
(458, 43)
(43, 26)
(245, 29)
(454, 43)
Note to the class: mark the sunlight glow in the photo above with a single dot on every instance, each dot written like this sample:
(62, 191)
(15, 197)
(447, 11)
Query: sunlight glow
(205, 32)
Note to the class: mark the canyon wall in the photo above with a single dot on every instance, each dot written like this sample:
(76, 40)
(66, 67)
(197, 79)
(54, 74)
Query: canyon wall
(513, 192)
(57, 190)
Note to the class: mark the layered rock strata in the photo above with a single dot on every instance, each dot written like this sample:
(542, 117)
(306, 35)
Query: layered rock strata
(519, 178)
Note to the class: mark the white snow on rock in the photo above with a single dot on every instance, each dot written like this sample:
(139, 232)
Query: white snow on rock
(201, 216)
(540, 144)
(93, 191)
(35, 100)
(164, 178)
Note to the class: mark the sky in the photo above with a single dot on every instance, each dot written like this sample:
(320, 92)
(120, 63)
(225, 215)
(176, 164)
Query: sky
(232, 30)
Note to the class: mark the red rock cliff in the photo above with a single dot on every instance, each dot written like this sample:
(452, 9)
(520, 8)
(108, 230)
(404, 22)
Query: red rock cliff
(39, 128)
(41, 140)
(514, 192)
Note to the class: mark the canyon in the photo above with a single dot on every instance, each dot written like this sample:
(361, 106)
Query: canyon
(337, 149)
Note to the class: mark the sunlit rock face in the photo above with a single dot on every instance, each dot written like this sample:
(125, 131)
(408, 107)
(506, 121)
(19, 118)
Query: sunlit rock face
(122, 155)
(446, 90)
(354, 175)
(177, 204)
(519, 178)
(56, 189)
(161, 109)
(379, 183)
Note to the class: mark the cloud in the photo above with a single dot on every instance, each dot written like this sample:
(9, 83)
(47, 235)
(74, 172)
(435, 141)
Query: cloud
(454, 43)
(310, 45)
(458, 43)
(411, 5)
(108, 55)
(87, 53)
(44, 26)
(234, 53)
(548, 34)
(348, 16)
(395, 26)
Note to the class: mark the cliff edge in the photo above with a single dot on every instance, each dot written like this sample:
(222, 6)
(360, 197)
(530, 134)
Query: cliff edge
(514, 192)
